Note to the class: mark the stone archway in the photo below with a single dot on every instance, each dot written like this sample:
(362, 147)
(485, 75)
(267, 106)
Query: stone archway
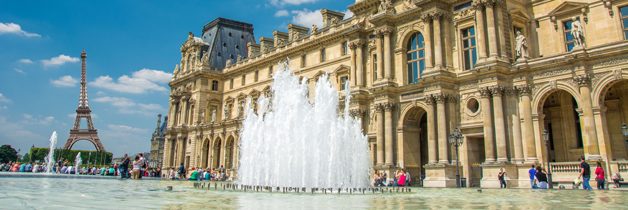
(216, 152)
(412, 146)
(614, 106)
(561, 116)
(205, 153)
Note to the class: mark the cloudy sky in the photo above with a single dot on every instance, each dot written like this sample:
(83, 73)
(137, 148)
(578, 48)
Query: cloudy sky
(132, 47)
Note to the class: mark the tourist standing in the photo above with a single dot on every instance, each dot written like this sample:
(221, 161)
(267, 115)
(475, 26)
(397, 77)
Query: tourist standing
(541, 177)
(401, 180)
(599, 176)
(142, 165)
(408, 178)
(181, 171)
(532, 173)
(585, 173)
(502, 178)
(136, 168)
(124, 167)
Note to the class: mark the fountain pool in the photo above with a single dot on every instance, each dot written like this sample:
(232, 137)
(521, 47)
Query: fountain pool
(50, 193)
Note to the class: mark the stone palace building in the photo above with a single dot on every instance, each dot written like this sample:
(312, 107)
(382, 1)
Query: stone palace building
(526, 82)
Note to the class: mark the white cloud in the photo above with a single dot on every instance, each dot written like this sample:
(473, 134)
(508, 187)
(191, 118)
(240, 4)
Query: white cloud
(307, 18)
(290, 2)
(4, 99)
(20, 71)
(64, 81)
(125, 128)
(139, 82)
(59, 60)
(128, 106)
(30, 120)
(25, 61)
(12, 28)
(348, 14)
(282, 13)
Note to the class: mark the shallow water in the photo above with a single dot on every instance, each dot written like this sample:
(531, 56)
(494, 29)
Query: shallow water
(50, 193)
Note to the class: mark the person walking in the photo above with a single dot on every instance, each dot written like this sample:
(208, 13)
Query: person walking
(541, 177)
(502, 178)
(181, 171)
(532, 173)
(401, 178)
(136, 168)
(124, 167)
(599, 176)
(585, 173)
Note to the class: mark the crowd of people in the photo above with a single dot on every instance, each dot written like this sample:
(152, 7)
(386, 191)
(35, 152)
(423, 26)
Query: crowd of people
(198, 174)
(402, 178)
(539, 180)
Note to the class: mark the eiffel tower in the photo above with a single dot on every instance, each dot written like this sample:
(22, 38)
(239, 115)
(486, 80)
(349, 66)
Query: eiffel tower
(84, 112)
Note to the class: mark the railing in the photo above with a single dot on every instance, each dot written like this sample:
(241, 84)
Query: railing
(565, 167)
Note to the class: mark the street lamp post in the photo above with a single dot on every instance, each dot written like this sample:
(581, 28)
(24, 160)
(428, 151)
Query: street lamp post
(547, 148)
(455, 139)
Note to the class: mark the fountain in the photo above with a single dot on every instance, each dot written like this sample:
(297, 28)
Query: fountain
(292, 143)
(77, 163)
(50, 158)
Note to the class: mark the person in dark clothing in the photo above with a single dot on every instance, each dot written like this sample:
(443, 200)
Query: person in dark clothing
(585, 173)
(502, 178)
(541, 178)
(124, 167)
(181, 171)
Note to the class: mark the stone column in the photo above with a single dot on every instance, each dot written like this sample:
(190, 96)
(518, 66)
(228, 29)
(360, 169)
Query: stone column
(372, 153)
(387, 53)
(489, 143)
(388, 107)
(527, 129)
(353, 73)
(589, 139)
(360, 64)
(492, 34)
(442, 128)
(501, 32)
(516, 126)
(166, 154)
(438, 44)
(380, 134)
(427, 36)
(480, 31)
(380, 55)
(431, 130)
(500, 129)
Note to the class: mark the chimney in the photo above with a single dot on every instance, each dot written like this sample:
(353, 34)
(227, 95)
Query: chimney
(266, 44)
(253, 49)
(331, 17)
(280, 38)
(296, 32)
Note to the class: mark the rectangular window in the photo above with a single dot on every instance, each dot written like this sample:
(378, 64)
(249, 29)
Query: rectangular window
(256, 76)
(303, 64)
(231, 84)
(270, 71)
(215, 85)
(624, 20)
(469, 48)
(569, 39)
(374, 67)
(323, 55)
(345, 48)
(243, 79)
(343, 82)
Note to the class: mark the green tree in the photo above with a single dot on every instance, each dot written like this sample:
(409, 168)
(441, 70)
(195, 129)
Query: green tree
(7, 153)
(26, 158)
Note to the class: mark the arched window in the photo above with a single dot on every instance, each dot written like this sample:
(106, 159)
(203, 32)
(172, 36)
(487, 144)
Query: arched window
(416, 57)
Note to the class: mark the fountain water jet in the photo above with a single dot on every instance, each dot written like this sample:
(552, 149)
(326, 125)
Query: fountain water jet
(291, 142)
(77, 163)
(50, 158)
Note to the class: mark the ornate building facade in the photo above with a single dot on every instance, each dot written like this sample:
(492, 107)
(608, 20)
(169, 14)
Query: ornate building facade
(526, 81)
(157, 143)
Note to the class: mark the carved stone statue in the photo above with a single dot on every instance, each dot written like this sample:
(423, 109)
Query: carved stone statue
(577, 31)
(213, 116)
(229, 62)
(409, 4)
(314, 29)
(521, 46)
(205, 58)
(385, 6)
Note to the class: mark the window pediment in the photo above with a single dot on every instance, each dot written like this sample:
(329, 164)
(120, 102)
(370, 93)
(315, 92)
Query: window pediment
(568, 8)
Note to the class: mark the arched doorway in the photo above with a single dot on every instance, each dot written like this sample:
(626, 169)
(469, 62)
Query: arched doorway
(562, 120)
(414, 151)
(216, 153)
(615, 101)
(229, 153)
(205, 154)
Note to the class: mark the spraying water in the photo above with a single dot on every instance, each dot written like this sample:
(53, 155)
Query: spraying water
(290, 142)
(77, 163)
(50, 160)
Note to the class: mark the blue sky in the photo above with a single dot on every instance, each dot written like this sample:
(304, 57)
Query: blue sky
(132, 47)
